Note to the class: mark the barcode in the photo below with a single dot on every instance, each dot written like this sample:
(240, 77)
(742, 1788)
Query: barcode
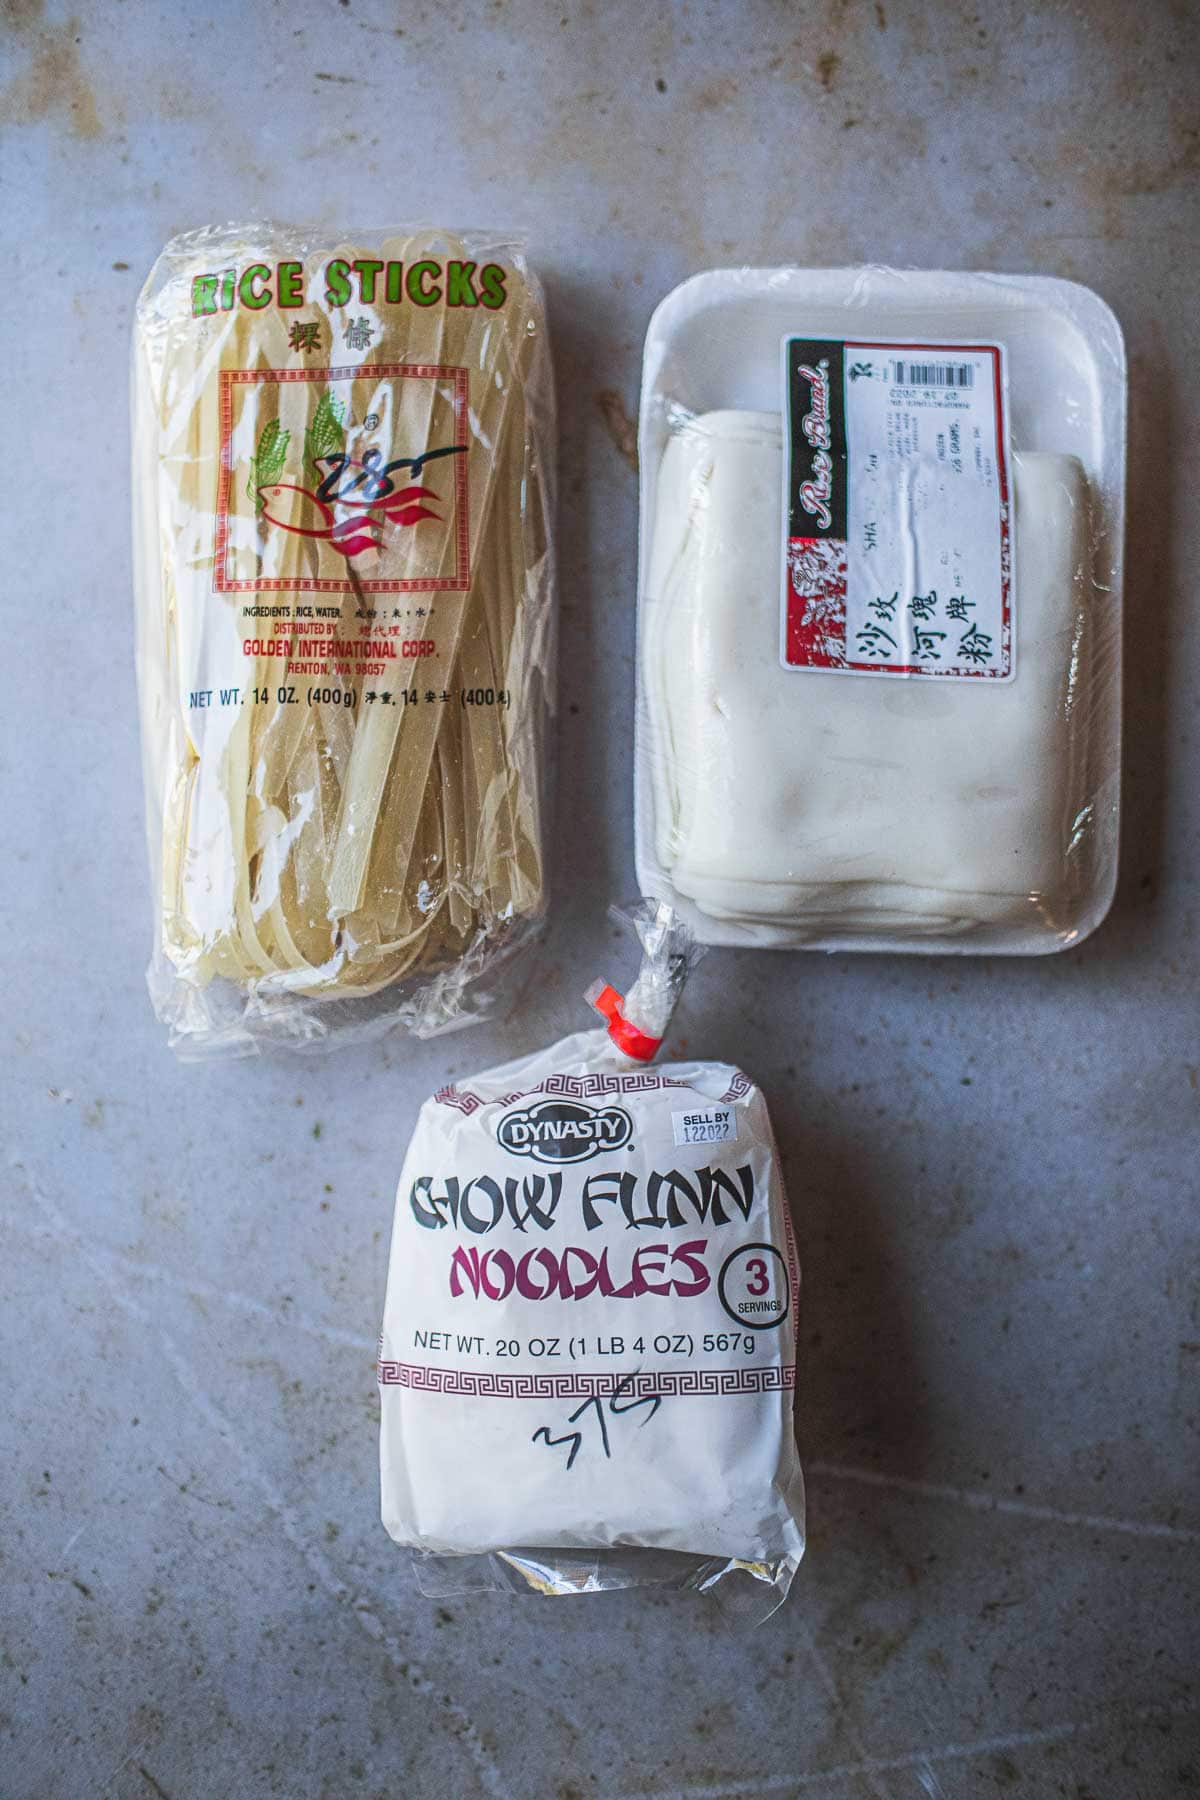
(910, 374)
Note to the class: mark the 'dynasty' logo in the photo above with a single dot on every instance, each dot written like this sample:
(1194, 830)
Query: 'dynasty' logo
(564, 1131)
(354, 501)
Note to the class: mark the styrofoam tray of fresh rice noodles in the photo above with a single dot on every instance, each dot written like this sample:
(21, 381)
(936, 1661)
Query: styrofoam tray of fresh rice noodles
(880, 609)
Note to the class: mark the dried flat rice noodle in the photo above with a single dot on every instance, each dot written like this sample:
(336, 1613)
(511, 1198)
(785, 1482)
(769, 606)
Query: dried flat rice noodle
(342, 455)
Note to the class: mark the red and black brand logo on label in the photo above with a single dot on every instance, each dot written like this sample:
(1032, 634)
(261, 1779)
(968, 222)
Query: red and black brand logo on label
(816, 438)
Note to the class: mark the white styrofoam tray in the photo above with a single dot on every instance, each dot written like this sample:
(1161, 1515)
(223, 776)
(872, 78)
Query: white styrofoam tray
(714, 343)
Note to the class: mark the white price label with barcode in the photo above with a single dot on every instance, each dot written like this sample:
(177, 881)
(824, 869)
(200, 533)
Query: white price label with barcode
(898, 558)
(932, 374)
(705, 1125)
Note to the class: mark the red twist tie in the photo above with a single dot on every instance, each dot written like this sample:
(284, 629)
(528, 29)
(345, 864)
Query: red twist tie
(624, 1034)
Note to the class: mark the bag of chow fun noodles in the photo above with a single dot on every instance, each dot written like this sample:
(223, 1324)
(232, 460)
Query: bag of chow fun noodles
(587, 1362)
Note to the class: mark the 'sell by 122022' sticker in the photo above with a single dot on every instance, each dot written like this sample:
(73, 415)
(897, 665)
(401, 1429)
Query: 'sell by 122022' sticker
(897, 509)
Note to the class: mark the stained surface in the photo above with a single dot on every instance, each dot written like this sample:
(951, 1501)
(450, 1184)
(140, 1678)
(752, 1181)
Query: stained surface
(994, 1167)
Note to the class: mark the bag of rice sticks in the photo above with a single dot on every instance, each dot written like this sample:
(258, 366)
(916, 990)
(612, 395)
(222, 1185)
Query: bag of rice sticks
(342, 489)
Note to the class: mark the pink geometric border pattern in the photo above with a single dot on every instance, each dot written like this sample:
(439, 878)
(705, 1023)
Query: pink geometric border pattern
(740, 1085)
(792, 1258)
(487, 1384)
(465, 1103)
(574, 1087)
(586, 1087)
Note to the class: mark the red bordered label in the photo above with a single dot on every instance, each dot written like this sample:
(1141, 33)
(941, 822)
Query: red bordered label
(898, 551)
(367, 491)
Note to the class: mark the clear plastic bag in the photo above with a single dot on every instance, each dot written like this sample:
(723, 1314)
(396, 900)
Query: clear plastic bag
(587, 1362)
(880, 609)
(343, 483)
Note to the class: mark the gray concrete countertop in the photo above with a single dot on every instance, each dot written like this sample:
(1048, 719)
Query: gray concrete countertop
(994, 1165)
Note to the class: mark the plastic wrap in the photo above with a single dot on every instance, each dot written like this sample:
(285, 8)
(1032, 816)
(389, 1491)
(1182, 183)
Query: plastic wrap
(587, 1361)
(637, 1021)
(342, 472)
(880, 609)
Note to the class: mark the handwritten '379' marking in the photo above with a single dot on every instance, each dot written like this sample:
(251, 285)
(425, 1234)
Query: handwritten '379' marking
(596, 1402)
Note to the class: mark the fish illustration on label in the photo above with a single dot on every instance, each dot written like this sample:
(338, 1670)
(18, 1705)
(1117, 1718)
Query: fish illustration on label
(360, 527)
(355, 500)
